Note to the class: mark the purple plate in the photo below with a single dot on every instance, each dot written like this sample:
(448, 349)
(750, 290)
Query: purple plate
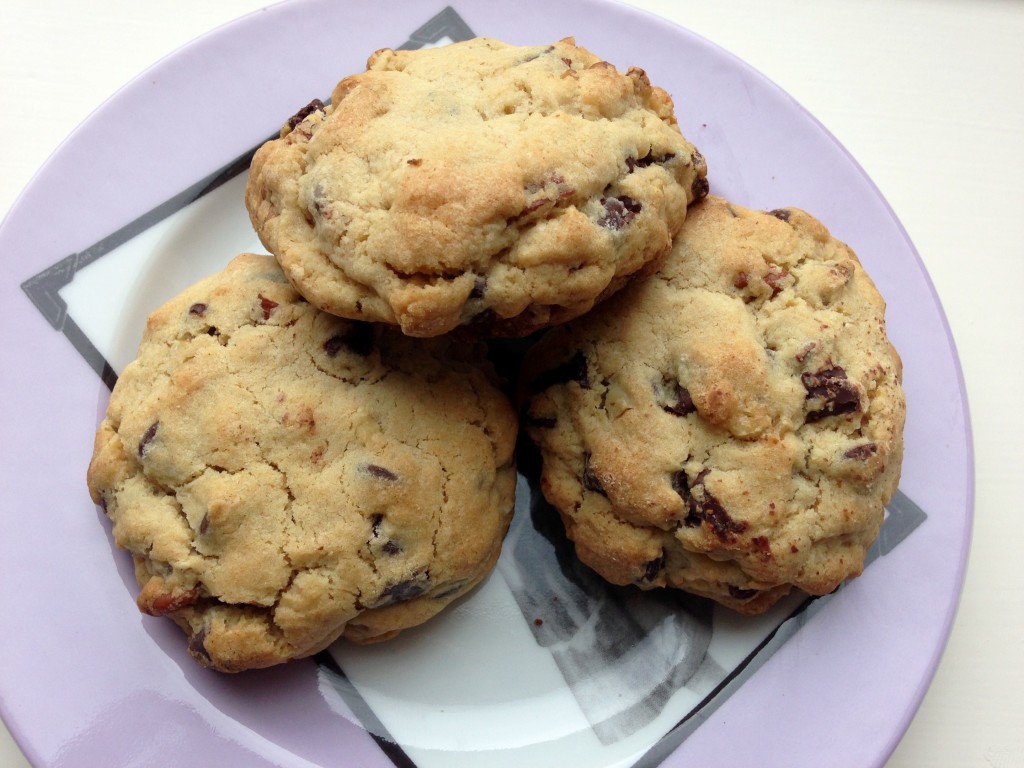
(145, 198)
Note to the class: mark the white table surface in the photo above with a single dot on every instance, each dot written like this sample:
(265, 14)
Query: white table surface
(928, 95)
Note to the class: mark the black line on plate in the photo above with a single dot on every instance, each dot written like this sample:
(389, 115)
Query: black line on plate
(88, 351)
(43, 288)
(447, 23)
(366, 716)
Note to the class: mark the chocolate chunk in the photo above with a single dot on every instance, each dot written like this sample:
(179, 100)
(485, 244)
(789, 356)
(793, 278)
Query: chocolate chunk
(402, 592)
(862, 452)
(314, 106)
(680, 403)
(321, 204)
(649, 159)
(780, 213)
(591, 481)
(681, 485)
(391, 547)
(654, 567)
(147, 438)
(375, 522)
(197, 645)
(700, 188)
(705, 508)
(479, 286)
(358, 340)
(197, 309)
(381, 472)
(618, 211)
(742, 594)
(575, 369)
(831, 387)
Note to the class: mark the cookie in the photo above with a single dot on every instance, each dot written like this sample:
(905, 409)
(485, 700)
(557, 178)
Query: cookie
(283, 477)
(733, 425)
(510, 187)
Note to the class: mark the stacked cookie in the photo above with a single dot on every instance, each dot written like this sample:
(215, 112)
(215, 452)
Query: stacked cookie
(313, 444)
(731, 426)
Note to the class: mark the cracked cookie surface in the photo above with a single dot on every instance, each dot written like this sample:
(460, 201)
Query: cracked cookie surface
(283, 477)
(508, 187)
(731, 426)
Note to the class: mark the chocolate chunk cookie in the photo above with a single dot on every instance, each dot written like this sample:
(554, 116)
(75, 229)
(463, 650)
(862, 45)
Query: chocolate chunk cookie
(511, 187)
(731, 426)
(283, 477)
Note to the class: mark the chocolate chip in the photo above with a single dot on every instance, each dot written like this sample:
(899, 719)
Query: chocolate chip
(681, 485)
(698, 161)
(618, 211)
(647, 160)
(591, 481)
(402, 592)
(415, 161)
(314, 106)
(677, 400)
(742, 594)
(705, 508)
(575, 369)
(358, 340)
(700, 188)
(147, 438)
(197, 309)
(780, 213)
(321, 203)
(479, 286)
(654, 567)
(861, 452)
(267, 305)
(375, 522)
(204, 525)
(831, 387)
(381, 472)
(197, 645)
(391, 547)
